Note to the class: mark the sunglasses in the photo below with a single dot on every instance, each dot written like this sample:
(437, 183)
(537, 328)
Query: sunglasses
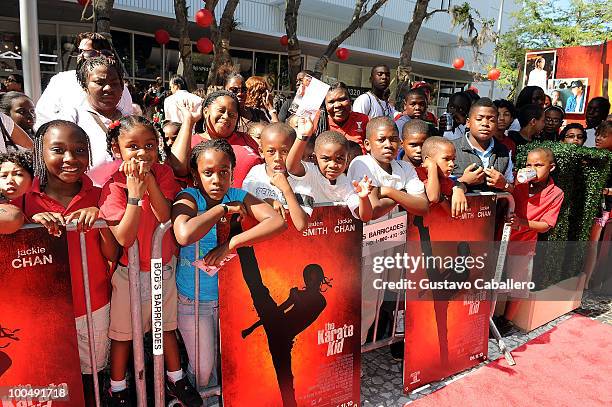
(236, 90)
(93, 53)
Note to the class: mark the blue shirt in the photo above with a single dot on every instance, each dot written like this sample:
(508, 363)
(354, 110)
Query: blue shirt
(209, 286)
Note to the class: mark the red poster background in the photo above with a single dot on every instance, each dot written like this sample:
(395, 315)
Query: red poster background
(333, 240)
(37, 300)
(467, 335)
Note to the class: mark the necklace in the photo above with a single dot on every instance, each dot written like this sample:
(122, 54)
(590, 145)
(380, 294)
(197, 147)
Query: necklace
(386, 110)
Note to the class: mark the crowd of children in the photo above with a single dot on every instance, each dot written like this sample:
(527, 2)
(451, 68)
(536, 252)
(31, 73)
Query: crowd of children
(202, 174)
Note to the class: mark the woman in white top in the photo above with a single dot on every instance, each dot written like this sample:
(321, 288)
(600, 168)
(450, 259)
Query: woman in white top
(538, 76)
(13, 136)
(101, 79)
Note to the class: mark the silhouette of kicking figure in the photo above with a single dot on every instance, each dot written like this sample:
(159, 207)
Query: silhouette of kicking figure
(282, 323)
(5, 360)
(441, 297)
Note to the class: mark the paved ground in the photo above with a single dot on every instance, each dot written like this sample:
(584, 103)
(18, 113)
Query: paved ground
(381, 383)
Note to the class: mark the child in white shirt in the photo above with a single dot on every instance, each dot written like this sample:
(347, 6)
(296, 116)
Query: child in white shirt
(326, 179)
(389, 176)
(269, 181)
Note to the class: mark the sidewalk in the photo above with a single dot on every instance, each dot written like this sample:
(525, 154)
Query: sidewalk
(381, 384)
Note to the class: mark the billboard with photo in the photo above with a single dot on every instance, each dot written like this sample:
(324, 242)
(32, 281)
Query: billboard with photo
(569, 93)
(539, 68)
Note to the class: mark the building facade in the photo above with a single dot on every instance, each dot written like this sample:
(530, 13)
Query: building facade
(256, 49)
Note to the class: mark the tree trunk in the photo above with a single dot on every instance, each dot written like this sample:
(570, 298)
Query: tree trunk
(404, 68)
(358, 20)
(221, 38)
(294, 51)
(102, 10)
(180, 10)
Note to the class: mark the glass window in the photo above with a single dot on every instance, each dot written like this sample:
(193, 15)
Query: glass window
(201, 66)
(147, 57)
(242, 61)
(267, 65)
(173, 58)
(10, 48)
(122, 42)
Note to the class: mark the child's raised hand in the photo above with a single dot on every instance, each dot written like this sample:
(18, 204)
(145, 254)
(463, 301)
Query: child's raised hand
(52, 221)
(279, 180)
(495, 178)
(85, 218)
(278, 207)
(432, 167)
(473, 174)
(306, 126)
(363, 187)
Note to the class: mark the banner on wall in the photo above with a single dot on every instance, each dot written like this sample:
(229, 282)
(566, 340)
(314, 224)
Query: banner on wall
(38, 348)
(290, 316)
(447, 316)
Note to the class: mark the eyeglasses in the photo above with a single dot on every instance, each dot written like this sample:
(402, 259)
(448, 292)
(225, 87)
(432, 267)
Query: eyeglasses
(93, 53)
(236, 90)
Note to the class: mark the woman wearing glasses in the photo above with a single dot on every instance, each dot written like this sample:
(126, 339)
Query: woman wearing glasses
(64, 92)
(553, 120)
(235, 83)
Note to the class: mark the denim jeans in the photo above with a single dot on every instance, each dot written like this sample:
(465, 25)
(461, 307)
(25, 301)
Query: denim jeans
(209, 328)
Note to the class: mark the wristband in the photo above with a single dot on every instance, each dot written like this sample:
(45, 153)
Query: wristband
(301, 137)
(225, 208)
(134, 201)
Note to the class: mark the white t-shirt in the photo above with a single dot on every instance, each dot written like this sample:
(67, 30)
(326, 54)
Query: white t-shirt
(590, 138)
(370, 105)
(457, 133)
(257, 182)
(64, 93)
(537, 77)
(171, 104)
(9, 125)
(403, 175)
(322, 191)
(100, 159)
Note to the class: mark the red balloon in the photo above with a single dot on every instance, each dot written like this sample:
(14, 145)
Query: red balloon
(458, 63)
(494, 74)
(284, 40)
(162, 36)
(342, 54)
(203, 18)
(204, 45)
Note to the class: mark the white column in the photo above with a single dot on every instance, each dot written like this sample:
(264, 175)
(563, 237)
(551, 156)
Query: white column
(30, 57)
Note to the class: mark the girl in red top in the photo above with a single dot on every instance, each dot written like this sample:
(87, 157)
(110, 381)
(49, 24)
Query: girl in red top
(137, 198)
(218, 119)
(61, 193)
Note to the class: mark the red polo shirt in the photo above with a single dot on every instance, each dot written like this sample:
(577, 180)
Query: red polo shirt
(354, 128)
(36, 201)
(113, 202)
(446, 184)
(542, 207)
(246, 150)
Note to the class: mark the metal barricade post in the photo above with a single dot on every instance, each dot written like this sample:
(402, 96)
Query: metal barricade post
(157, 312)
(137, 335)
(89, 317)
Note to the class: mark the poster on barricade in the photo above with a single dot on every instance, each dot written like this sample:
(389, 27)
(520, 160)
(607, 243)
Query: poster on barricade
(290, 316)
(447, 311)
(39, 357)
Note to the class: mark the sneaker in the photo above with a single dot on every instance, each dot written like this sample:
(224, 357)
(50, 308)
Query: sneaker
(184, 392)
(118, 398)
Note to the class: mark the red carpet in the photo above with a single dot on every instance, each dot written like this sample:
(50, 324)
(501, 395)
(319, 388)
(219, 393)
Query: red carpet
(570, 365)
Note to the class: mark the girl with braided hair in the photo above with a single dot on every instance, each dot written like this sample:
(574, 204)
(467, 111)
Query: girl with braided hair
(218, 119)
(60, 194)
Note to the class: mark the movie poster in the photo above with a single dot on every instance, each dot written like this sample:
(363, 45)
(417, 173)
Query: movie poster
(290, 316)
(539, 68)
(38, 344)
(447, 328)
